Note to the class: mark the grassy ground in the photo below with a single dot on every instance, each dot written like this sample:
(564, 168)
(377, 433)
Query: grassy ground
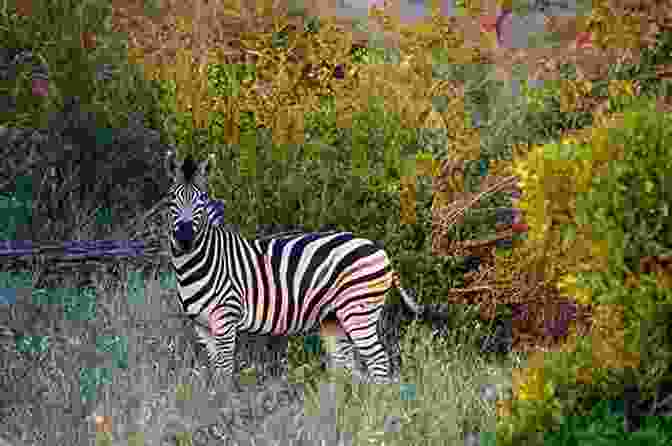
(161, 387)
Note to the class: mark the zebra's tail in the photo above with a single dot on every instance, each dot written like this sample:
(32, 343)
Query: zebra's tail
(423, 311)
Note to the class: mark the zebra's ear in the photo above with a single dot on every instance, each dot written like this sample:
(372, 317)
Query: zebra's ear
(201, 177)
(204, 168)
(172, 166)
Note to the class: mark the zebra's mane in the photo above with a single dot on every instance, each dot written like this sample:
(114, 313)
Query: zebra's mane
(189, 169)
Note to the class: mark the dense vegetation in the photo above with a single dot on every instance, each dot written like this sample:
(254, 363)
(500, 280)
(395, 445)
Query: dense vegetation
(319, 131)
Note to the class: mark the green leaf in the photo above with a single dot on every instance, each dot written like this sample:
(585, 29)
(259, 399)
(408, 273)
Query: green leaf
(568, 232)
(80, 304)
(117, 345)
(32, 344)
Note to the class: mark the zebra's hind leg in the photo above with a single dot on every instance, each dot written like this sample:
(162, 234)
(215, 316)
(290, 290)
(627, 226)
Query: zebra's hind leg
(341, 354)
(363, 330)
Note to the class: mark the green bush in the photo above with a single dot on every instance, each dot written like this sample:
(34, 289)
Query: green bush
(646, 70)
(300, 189)
(73, 71)
(604, 426)
(630, 206)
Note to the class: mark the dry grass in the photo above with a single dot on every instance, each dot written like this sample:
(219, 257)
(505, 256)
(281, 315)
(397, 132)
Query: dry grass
(164, 391)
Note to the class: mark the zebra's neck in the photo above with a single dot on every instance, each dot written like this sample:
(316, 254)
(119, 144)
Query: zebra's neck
(198, 285)
(209, 237)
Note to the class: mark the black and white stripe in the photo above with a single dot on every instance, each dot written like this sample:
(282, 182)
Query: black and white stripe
(281, 285)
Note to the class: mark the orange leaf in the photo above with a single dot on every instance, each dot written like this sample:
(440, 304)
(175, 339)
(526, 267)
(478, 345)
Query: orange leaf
(488, 23)
(88, 40)
(583, 40)
(103, 423)
(504, 408)
(584, 375)
(24, 8)
(519, 227)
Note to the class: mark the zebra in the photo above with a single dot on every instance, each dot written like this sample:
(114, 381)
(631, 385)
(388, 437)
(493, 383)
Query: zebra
(283, 285)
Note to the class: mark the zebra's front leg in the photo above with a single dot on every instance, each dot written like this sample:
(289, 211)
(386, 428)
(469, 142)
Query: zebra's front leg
(221, 348)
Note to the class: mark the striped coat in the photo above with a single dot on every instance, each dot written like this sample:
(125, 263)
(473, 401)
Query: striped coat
(282, 285)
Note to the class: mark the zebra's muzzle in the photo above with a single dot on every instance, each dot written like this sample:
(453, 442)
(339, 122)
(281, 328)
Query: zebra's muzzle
(184, 236)
(184, 245)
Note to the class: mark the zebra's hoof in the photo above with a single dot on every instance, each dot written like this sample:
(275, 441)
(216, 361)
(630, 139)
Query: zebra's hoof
(359, 377)
(222, 384)
(383, 380)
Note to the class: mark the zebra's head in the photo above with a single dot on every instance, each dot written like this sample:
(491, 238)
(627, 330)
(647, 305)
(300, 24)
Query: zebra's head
(188, 199)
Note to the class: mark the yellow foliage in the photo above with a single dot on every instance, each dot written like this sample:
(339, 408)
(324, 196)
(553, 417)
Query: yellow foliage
(567, 286)
(288, 127)
(523, 258)
(474, 7)
(231, 8)
(528, 384)
(230, 109)
(501, 168)
(549, 203)
(621, 88)
(608, 338)
(407, 197)
(550, 186)
(612, 28)
(283, 91)
(664, 278)
(572, 94)
(184, 25)
(504, 408)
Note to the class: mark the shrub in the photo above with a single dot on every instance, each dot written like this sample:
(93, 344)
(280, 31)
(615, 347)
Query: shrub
(603, 425)
(614, 177)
